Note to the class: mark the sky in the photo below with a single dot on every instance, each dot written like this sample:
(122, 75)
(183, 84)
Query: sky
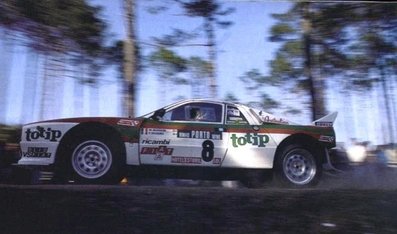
(237, 53)
(237, 46)
(242, 47)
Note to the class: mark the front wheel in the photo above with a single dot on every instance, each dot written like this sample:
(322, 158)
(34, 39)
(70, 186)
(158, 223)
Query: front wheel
(297, 166)
(91, 159)
(94, 160)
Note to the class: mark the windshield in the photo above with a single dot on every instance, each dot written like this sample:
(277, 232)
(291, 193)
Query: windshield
(148, 115)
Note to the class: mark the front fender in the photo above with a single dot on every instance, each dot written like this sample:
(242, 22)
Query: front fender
(40, 141)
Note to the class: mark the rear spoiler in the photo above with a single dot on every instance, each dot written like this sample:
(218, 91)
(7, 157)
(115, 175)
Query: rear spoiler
(326, 121)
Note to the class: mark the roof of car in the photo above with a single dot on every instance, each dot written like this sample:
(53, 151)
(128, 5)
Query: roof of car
(206, 100)
(184, 101)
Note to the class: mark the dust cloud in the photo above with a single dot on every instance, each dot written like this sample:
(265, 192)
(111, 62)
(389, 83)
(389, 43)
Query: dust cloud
(362, 176)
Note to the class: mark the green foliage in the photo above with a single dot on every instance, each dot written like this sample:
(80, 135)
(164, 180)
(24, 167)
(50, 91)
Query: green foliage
(198, 67)
(211, 10)
(230, 97)
(176, 38)
(253, 79)
(283, 69)
(205, 8)
(199, 72)
(292, 111)
(167, 63)
(64, 32)
(10, 134)
(322, 41)
(212, 13)
(288, 64)
(57, 25)
(269, 103)
(255, 82)
(114, 54)
(281, 31)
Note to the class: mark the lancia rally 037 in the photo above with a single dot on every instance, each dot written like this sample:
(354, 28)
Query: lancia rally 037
(191, 139)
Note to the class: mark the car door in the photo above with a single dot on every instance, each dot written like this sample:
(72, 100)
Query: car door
(250, 146)
(192, 134)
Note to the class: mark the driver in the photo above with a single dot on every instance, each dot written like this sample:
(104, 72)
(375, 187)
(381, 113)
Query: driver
(197, 114)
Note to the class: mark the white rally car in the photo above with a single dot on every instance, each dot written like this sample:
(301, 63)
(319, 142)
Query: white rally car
(192, 139)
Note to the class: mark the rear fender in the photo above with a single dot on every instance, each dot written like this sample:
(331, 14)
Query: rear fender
(307, 141)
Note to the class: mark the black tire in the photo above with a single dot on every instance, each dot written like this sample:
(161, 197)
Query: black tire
(93, 160)
(297, 166)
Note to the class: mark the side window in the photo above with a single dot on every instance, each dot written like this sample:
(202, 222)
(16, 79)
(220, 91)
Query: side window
(234, 116)
(200, 112)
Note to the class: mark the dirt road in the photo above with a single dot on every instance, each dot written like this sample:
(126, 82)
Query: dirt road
(363, 200)
(130, 209)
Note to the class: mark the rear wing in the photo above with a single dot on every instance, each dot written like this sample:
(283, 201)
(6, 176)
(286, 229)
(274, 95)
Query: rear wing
(326, 121)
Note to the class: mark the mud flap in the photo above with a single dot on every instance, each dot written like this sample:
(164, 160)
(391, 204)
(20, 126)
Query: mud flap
(328, 167)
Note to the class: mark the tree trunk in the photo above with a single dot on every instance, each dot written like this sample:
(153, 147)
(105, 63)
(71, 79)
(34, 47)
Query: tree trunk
(129, 58)
(94, 99)
(316, 86)
(387, 100)
(78, 88)
(6, 54)
(43, 87)
(393, 89)
(29, 87)
(209, 29)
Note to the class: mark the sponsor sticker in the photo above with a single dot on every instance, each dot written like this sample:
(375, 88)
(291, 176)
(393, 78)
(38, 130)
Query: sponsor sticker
(216, 161)
(156, 142)
(36, 152)
(43, 133)
(233, 112)
(199, 135)
(235, 118)
(163, 150)
(185, 160)
(272, 119)
(250, 139)
(128, 122)
(159, 152)
(153, 131)
(327, 138)
(324, 124)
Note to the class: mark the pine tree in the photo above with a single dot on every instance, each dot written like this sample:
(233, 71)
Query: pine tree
(57, 30)
(129, 58)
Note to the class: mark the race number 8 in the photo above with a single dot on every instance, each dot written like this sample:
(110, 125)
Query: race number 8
(208, 151)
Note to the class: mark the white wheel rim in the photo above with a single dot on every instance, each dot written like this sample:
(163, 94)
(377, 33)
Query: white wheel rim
(91, 159)
(299, 166)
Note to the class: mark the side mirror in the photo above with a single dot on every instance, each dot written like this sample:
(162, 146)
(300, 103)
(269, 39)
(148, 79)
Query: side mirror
(158, 114)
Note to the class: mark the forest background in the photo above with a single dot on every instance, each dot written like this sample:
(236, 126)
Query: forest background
(299, 60)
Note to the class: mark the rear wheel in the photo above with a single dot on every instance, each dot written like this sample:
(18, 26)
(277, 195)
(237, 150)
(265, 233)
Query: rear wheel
(297, 166)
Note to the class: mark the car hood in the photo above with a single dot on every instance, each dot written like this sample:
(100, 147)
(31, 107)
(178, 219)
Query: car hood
(107, 120)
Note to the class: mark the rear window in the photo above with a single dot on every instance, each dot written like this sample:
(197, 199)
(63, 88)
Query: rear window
(234, 116)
